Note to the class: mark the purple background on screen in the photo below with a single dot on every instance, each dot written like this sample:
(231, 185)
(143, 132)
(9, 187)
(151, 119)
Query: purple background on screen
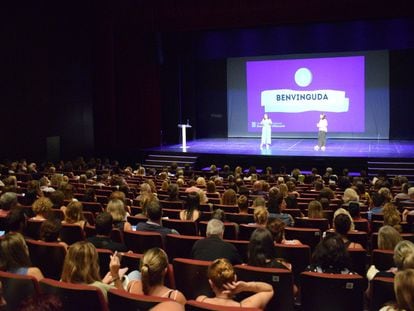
(334, 73)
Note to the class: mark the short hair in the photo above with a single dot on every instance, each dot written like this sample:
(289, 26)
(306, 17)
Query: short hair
(50, 229)
(259, 201)
(219, 214)
(350, 195)
(331, 253)
(81, 264)
(388, 238)
(117, 195)
(42, 206)
(342, 224)
(103, 223)
(117, 209)
(215, 227)
(261, 215)
(8, 200)
(58, 199)
(221, 272)
(392, 216)
(344, 211)
(154, 210)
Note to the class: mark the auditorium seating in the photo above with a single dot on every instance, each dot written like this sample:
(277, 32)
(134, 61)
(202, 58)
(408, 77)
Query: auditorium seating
(297, 255)
(16, 288)
(70, 233)
(319, 223)
(180, 246)
(119, 300)
(382, 291)
(308, 236)
(140, 241)
(280, 279)
(75, 297)
(323, 291)
(230, 231)
(48, 257)
(186, 227)
(382, 259)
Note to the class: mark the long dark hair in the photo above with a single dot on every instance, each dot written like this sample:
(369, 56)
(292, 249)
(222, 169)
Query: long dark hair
(331, 254)
(274, 201)
(13, 252)
(260, 247)
(192, 203)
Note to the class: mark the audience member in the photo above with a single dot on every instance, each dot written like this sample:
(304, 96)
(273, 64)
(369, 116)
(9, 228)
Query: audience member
(73, 214)
(277, 229)
(192, 207)
(388, 238)
(50, 230)
(276, 205)
(224, 284)
(102, 239)
(14, 256)
(315, 210)
(154, 267)
(213, 246)
(42, 208)
(342, 225)
(117, 210)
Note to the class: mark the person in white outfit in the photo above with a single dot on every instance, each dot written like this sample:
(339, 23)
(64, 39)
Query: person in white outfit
(323, 129)
(266, 131)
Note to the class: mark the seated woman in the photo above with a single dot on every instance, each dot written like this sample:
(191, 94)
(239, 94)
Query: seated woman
(49, 231)
(73, 214)
(342, 225)
(261, 216)
(42, 208)
(404, 291)
(121, 196)
(173, 193)
(224, 284)
(229, 197)
(388, 238)
(14, 256)
(211, 190)
(81, 266)
(315, 210)
(154, 266)
(192, 205)
(277, 229)
(261, 251)
(403, 259)
(243, 204)
(276, 205)
(392, 216)
(117, 210)
(331, 256)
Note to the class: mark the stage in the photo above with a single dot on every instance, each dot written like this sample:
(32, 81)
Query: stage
(374, 149)
(396, 157)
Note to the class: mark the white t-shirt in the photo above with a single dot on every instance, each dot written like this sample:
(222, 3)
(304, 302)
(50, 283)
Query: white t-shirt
(323, 125)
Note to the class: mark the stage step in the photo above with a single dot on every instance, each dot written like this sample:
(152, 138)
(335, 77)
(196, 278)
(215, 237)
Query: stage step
(159, 161)
(392, 169)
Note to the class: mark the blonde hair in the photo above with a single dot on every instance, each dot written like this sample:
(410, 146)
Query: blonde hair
(261, 215)
(42, 206)
(81, 264)
(117, 195)
(201, 182)
(315, 209)
(350, 195)
(404, 255)
(117, 209)
(73, 212)
(344, 211)
(165, 184)
(283, 190)
(229, 197)
(392, 216)
(221, 272)
(388, 238)
(152, 266)
(404, 289)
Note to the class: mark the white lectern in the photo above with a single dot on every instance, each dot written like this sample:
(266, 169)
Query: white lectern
(184, 134)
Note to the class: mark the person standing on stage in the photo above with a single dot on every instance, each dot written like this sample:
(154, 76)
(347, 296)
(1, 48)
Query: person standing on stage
(266, 131)
(323, 129)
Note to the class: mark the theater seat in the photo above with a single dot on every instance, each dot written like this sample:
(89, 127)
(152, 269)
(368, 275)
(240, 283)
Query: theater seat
(297, 255)
(382, 259)
(326, 292)
(318, 223)
(75, 297)
(186, 227)
(280, 279)
(140, 241)
(382, 291)
(307, 236)
(191, 277)
(16, 288)
(193, 305)
(119, 300)
(180, 246)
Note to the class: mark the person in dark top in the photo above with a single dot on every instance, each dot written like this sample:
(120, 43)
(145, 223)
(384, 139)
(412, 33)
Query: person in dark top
(261, 251)
(154, 214)
(331, 256)
(213, 246)
(103, 226)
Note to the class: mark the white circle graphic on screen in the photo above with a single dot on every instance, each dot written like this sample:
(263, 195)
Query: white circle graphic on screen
(303, 77)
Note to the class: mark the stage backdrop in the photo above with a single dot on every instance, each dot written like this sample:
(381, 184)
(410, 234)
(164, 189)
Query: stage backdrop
(352, 89)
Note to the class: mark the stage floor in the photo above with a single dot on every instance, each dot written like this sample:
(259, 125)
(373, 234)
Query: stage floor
(401, 149)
